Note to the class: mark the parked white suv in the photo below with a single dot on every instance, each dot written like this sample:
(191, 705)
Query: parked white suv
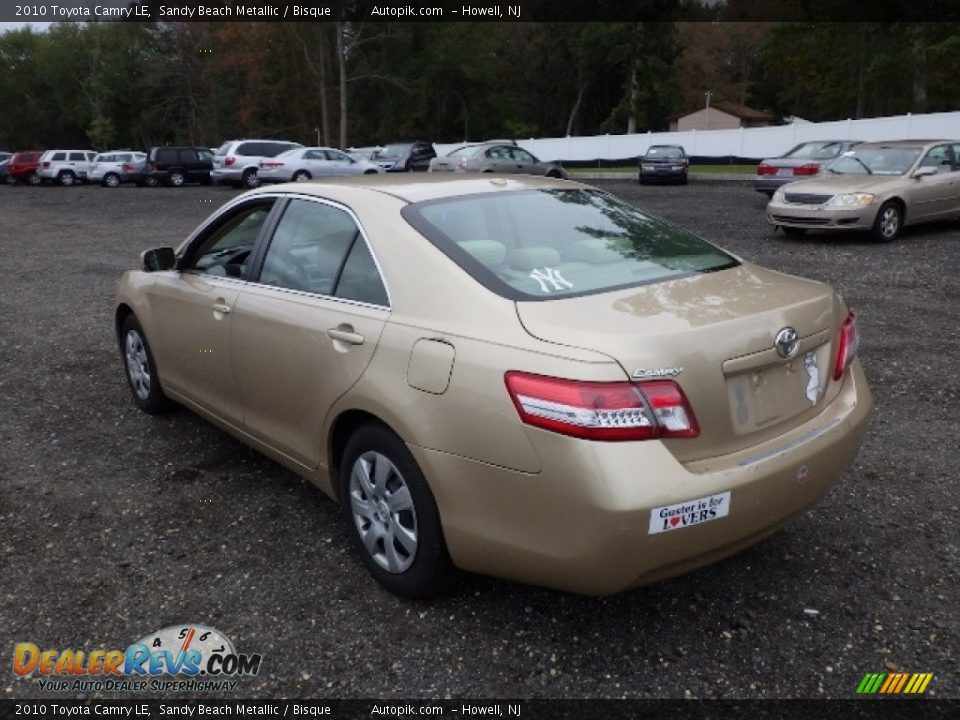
(65, 166)
(107, 168)
(236, 161)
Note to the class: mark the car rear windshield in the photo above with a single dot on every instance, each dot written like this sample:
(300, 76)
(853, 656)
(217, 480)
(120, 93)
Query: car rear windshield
(815, 151)
(665, 152)
(547, 244)
(223, 149)
(465, 151)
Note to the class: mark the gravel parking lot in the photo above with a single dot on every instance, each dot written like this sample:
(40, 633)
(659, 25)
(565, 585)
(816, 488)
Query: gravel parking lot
(114, 523)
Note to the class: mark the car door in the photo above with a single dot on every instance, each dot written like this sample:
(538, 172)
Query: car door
(498, 160)
(192, 310)
(313, 161)
(931, 194)
(306, 329)
(317, 163)
(525, 162)
(341, 164)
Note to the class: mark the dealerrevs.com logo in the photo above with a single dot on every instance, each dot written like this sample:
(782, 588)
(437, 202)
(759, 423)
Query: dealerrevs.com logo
(178, 658)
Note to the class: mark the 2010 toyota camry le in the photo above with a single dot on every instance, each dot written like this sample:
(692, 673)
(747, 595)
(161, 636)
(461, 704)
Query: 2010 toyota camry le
(525, 377)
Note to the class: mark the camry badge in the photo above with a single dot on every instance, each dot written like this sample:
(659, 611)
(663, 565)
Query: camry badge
(657, 372)
(787, 342)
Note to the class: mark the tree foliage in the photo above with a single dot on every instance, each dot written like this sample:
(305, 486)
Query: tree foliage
(140, 84)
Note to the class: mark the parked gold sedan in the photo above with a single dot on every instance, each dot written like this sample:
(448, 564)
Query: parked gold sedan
(880, 187)
(525, 377)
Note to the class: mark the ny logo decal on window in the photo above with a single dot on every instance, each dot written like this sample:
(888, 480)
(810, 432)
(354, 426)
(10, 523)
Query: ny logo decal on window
(552, 276)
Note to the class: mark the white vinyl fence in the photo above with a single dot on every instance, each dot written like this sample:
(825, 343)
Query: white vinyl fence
(746, 143)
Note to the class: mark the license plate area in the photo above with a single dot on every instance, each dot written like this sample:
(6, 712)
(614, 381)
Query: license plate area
(766, 395)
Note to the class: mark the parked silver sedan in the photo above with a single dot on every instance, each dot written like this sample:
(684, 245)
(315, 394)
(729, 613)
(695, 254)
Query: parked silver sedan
(801, 163)
(880, 187)
(304, 163)
(495, 158)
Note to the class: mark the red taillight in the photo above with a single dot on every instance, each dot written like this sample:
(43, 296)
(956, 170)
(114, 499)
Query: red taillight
(46, 163)
(127, 167)
(602, 410)
(229, 160)
(764, 169)
(152, 166)
(848, 340)
(808, 169)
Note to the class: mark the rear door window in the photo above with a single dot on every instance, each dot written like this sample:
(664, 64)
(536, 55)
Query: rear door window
(318, 248)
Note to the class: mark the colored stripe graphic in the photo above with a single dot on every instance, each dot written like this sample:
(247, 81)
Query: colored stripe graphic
(894, 683)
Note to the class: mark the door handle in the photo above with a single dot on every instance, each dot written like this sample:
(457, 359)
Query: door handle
(346, 336)
(221, 308)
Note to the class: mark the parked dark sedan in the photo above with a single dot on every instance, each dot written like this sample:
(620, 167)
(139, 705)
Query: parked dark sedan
(664, 163)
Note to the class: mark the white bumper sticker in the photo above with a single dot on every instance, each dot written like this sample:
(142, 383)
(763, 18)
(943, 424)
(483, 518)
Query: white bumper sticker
(689, 512)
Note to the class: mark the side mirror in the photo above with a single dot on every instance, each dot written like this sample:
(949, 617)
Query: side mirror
(924, 171)
(158, 259)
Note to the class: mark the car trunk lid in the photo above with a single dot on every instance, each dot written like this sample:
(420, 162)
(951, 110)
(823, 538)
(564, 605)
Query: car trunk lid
(715, 335)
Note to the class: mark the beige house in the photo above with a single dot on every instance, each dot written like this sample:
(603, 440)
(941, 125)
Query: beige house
(721, 115)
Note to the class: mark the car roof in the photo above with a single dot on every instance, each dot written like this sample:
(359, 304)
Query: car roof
(905, 143)
(418, 187)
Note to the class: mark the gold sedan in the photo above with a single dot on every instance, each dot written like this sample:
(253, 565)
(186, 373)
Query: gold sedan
(521, 376)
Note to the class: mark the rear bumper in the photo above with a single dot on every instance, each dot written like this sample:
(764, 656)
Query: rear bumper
(582, 523)
(662, 173)
(226, 176)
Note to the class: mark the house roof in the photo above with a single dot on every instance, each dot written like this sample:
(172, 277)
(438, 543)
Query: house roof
(731, 108)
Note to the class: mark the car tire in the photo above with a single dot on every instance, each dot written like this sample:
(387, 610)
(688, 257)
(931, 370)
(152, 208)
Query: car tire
(66, 178)
(301, 176)
(369, 172)
(790, 231)
(391, 514)
(684, 180)
(250, 179)
(34, 178)
(889, 221)
(141, 369)
(111, 180)
(554, 174)
(176, 178)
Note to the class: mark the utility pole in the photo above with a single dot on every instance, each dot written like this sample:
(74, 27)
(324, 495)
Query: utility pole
(706, 116)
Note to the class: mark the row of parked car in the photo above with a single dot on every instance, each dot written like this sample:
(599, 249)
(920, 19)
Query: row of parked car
(877, 187)
(247, 163)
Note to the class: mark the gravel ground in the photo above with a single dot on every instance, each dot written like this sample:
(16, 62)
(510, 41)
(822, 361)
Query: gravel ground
(114, 523)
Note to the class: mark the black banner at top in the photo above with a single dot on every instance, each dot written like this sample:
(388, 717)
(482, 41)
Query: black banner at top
(473, 709)
(480, 10)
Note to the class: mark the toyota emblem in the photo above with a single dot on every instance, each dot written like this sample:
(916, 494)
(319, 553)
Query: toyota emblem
(787, 342)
